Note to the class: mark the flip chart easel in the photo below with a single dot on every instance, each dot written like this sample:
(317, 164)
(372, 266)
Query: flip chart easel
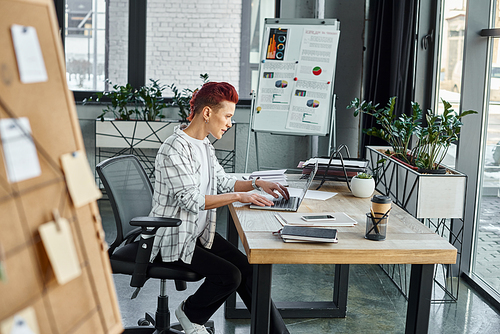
(296, 79)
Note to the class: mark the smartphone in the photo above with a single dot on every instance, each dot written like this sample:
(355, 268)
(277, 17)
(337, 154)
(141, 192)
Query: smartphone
(317, 217)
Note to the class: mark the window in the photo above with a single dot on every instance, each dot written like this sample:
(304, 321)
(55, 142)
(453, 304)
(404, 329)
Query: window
(95, 40)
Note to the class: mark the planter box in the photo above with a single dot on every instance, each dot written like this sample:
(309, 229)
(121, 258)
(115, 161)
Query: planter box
(136, 134)
(422, 195)
(144, 138)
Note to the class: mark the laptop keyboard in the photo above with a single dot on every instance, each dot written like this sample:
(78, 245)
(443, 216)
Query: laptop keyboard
(284, 203)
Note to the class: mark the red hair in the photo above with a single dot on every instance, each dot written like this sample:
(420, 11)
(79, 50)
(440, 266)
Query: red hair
(211, 94)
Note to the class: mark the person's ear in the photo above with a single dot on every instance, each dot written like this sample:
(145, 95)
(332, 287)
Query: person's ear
(207, 111)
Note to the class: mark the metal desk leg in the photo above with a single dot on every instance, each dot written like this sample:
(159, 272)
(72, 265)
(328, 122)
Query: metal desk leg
(231, 311)
(261, 299)
(340, 287)
(419, 298)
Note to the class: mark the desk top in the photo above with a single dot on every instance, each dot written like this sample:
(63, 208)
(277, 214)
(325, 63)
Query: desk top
(407, 241)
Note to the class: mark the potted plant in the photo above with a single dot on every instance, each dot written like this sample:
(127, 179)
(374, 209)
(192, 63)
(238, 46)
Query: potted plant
(362, 185)
(181, 98)
(435, 139)
(396, 168)
(127, 103)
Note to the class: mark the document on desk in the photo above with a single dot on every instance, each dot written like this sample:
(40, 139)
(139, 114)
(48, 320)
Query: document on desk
(295, 218)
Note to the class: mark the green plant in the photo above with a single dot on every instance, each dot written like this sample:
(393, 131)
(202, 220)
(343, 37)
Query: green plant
(435, 139)
(181, 98)
(395, 130)
(121, 98)
(361, 175)
(152, 101)
(145, 103)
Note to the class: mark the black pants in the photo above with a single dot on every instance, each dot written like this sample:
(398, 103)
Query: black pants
(226, 270)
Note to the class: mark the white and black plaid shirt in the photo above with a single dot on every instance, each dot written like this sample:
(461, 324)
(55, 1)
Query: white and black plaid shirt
(177, 195)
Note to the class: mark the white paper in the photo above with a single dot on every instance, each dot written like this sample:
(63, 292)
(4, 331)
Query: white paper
(19, 150)
(20, 326)
(276, 85)
(294, 218)
(28, 54)
(60, 247)
(318, 54)
(23, 322)
(310, 105)
(319, 195)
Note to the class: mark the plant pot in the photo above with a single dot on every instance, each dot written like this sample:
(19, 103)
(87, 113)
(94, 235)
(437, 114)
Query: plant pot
(362, 187)
(422, 195)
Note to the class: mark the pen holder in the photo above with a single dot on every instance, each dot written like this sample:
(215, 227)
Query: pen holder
(376, 228)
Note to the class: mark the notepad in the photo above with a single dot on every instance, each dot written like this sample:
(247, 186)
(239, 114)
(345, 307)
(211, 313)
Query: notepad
(291, 233)
(294, 218)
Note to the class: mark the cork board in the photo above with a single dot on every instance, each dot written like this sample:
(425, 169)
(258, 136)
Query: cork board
(87, 303)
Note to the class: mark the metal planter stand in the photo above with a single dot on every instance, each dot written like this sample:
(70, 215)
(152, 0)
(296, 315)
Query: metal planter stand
(143, 138)
(406, 187)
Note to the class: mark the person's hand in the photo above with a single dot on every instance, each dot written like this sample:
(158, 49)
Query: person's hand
(273, 188)
(248, 197)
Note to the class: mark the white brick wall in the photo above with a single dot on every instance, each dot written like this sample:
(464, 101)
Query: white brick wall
(185, 38)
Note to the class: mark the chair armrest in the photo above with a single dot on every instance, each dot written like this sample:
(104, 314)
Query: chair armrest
(155, 222)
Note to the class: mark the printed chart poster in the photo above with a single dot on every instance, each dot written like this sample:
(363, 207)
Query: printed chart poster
(318, 54)
(276, 44)
(309, 107)
(275, 88)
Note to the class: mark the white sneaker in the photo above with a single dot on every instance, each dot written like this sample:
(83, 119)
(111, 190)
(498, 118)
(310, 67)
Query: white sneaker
(188, 326)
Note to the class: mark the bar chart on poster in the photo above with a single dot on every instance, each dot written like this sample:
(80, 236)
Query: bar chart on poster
(296, 77)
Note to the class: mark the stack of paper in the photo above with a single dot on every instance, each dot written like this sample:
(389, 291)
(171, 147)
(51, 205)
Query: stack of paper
(275, 175)
(295, 218)
(323, 162)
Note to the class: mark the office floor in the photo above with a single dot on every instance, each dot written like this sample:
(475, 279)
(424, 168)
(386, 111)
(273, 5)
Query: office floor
(374, 304)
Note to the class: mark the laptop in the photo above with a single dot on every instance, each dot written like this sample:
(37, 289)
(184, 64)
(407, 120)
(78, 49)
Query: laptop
(293, 203)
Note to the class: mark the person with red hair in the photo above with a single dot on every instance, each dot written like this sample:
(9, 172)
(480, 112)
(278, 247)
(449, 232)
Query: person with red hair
(190, 184)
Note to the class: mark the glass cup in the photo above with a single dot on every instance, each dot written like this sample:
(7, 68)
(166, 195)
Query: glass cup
(376, 228)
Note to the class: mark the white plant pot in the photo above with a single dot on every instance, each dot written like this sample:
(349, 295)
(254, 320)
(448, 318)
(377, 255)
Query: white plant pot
(362, 187)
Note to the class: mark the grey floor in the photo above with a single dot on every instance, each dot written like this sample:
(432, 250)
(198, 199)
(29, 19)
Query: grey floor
(374, 303)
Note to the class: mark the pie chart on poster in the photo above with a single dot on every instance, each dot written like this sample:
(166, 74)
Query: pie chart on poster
(317, 70)
(312, 103)
(281, 84)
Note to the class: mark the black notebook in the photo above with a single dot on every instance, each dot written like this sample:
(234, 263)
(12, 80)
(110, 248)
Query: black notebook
(308, 234)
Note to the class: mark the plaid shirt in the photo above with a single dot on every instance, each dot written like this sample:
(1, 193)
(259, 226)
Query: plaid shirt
(177, 195)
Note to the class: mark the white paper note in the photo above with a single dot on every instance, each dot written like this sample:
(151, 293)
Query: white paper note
(28, 54)
(23, 322)
(79, 178)
(19, 150)
(60, 247)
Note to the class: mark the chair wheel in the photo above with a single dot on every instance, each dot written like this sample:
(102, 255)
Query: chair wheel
(143, 322)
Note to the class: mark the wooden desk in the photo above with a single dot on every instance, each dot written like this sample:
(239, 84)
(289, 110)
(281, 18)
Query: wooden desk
(408, 242)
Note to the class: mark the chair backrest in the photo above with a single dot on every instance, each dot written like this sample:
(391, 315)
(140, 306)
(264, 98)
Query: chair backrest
(129, 191)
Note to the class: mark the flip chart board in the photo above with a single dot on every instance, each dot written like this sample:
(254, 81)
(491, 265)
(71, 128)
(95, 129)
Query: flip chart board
(42, 289)
(296, 76)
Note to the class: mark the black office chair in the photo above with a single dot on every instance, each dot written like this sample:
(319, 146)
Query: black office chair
(130, 193)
